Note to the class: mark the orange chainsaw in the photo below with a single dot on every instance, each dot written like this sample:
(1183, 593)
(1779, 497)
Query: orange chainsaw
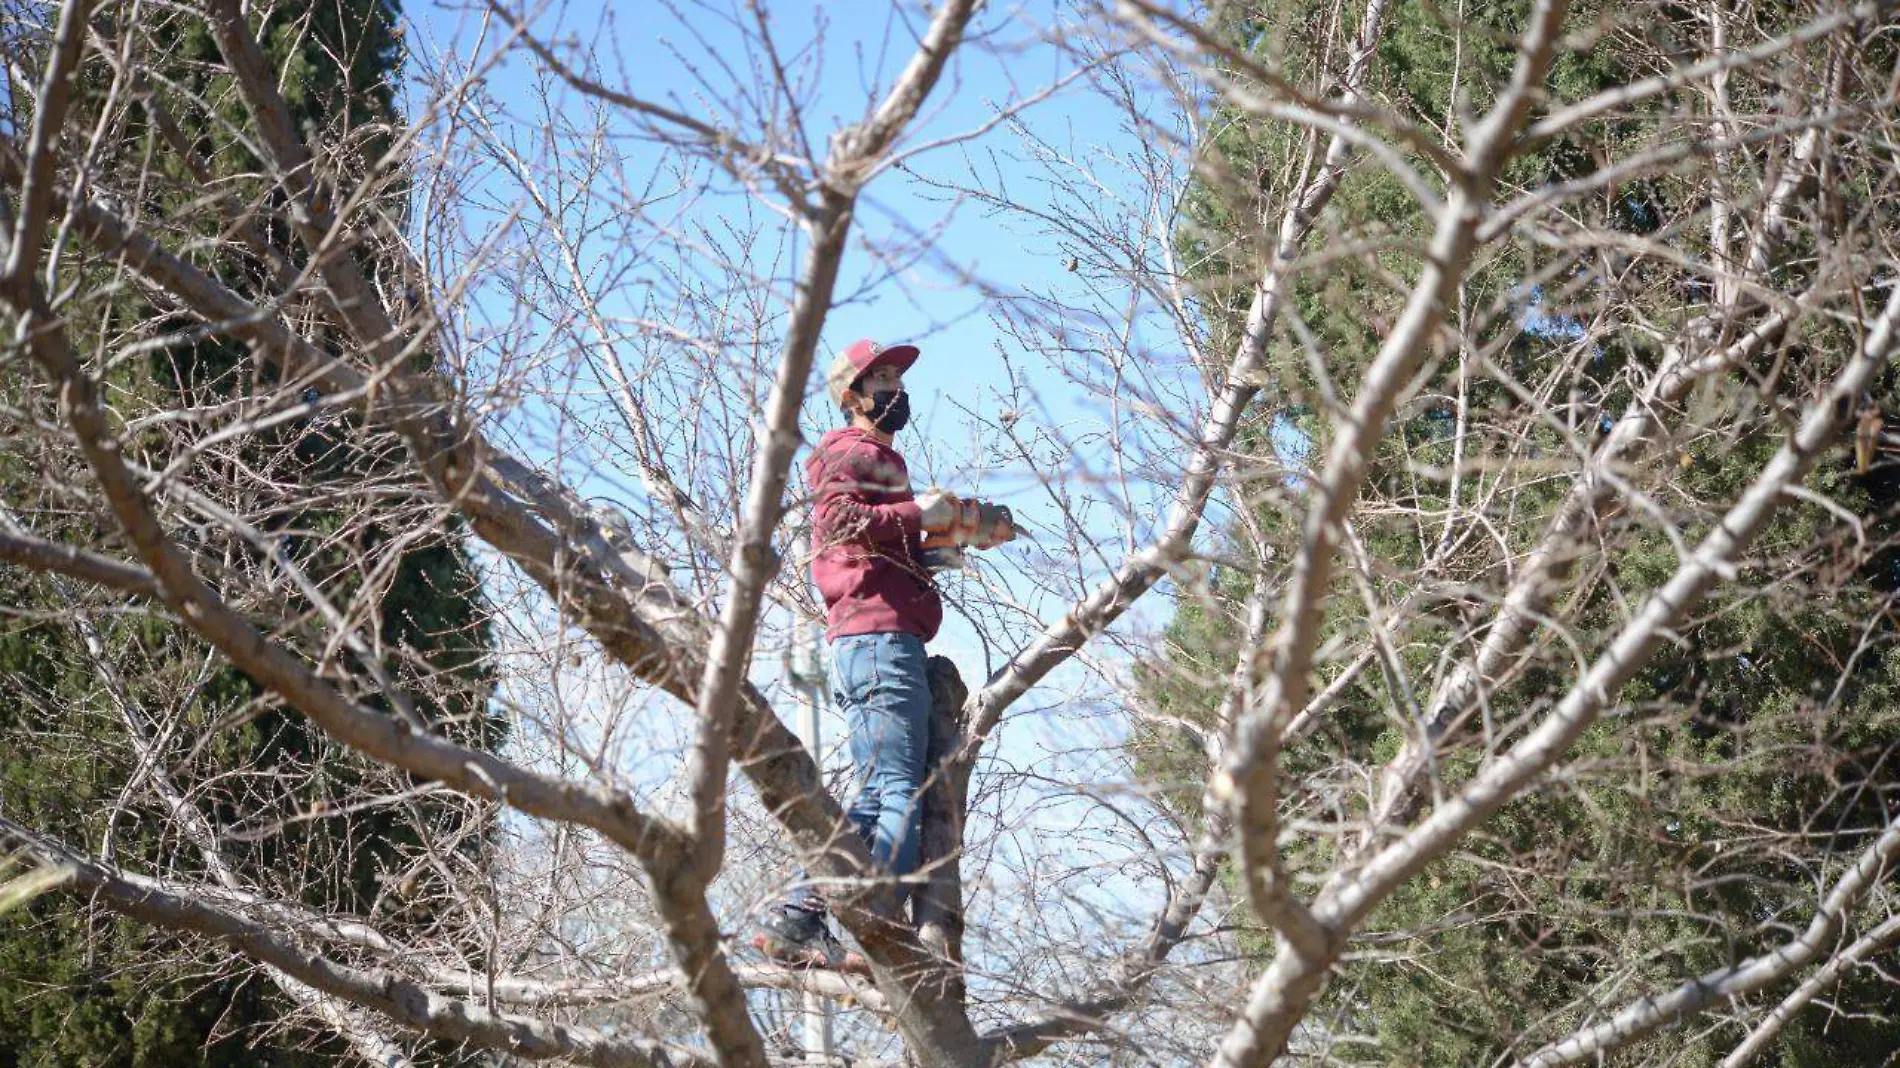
(975, 524)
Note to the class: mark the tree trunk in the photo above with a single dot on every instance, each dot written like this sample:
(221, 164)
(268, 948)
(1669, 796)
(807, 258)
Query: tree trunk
(937, 907)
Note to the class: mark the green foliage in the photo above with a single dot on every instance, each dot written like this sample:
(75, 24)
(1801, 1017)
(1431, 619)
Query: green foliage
(73, 995)
(78, 987)
(1686, 834)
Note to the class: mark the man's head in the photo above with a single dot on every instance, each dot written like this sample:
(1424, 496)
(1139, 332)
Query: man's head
(867, 384)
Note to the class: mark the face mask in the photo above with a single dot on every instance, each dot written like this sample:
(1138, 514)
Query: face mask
(890, 410)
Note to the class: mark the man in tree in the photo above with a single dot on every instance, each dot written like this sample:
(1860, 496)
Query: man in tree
(881, 606)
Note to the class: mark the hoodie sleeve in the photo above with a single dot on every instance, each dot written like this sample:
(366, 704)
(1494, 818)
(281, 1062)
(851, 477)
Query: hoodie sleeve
(843, 483)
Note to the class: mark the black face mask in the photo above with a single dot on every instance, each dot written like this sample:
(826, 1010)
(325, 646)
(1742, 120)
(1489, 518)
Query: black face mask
(890, 410)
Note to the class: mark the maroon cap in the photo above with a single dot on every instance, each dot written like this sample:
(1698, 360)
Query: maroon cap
(854, 362)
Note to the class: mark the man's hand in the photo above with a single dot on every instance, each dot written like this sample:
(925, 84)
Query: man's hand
(939, 509)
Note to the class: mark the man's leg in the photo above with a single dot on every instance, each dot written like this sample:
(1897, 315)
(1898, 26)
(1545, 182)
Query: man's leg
(794, 930)
(853, 665)
(883, 685)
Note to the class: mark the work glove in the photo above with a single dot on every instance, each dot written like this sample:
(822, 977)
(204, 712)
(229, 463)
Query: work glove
(973, 523)
(939, 509)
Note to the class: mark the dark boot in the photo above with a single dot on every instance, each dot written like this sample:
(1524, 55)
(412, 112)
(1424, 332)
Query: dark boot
(798, 938)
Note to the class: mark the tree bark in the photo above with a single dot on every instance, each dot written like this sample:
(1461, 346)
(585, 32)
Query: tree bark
(937, 907)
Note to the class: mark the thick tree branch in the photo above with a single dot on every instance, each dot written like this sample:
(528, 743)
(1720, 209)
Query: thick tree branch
(860, 149)
(514, 989)
(662, 848)
(939, 1033)
(754, 562)
(1291, 981)
(1249, 781)
(400, 999)
(1358, 891)
(1281, 995)
(611, 587)
(35, 554)
(323, 235)
(390, 740)
(1541, 574)
(49, 121)
(937, 909)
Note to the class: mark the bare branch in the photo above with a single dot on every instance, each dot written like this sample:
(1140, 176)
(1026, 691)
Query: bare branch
(1652, 1013)
(473, 771)
(1540, 575)
(38, 555)
(1623, 96)
(1088, 617)
(727, 147)
(173, 908)
(1813, 986)
(49, 120)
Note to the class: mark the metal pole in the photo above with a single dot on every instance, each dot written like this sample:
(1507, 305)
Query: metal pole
(808, 677)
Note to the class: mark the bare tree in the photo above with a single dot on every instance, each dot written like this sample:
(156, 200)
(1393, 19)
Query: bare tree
(575, 321)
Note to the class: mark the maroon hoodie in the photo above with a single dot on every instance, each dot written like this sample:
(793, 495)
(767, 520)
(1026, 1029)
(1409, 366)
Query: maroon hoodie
(868, 534)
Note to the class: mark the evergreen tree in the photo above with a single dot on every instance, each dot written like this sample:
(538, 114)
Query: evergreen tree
(79, 989)
(1758, 731)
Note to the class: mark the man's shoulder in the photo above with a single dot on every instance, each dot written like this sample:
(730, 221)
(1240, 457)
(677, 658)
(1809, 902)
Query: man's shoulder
(851, 445)
(850, 459)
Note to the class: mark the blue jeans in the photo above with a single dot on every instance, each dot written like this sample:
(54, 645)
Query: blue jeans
(881, 683)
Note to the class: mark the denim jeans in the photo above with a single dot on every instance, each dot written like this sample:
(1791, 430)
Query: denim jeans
(883, 687)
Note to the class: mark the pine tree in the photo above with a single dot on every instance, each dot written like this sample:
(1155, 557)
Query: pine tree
(79, 989)
(1740, 719)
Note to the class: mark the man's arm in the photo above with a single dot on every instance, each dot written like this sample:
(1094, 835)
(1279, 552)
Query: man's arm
(844, 511)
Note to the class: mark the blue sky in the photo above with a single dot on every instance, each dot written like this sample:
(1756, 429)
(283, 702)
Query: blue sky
(1066, 730)
(650, 52)
(693, 67)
